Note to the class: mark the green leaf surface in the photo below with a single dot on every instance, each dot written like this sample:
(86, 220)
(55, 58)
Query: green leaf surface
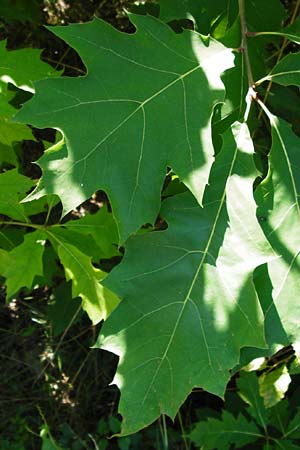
(249, 391)
(23, 67)
(102, 227)
(279, 416)
(64, 311)
(125, 144)
(25, 262)
(84, 242)
(10, 134)
(97, 300)
(4, 259)
(293, 431)
(205, 14)
(286, 72)
(13, 187)
(262, 15)
(279, 214)
(7, 110)
(189, 302)
(221, 434)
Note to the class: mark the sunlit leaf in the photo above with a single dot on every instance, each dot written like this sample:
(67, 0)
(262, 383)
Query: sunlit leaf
(117, 134)
(97, 300)
(279, 216)
(189, 303)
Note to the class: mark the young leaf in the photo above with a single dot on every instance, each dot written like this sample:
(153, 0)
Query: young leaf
(286, 72)
(102, 227)
(273, 385)
(279, 214)
(121, 134)
(221, 434)
(13, 187)
(189, 303)
(97, 300)
(25, 262)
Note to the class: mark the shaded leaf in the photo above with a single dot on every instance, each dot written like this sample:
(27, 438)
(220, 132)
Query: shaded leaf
(293, 431)
(25, 262)
(205, 14)
(279, 416)
(102, 227)
(249, 391)
(262, 15)
(64, 310)
(221, 434)
(286, 72)
(84, 242)
(125, 145)
(10, 133)
(189, 302)
(13, 187)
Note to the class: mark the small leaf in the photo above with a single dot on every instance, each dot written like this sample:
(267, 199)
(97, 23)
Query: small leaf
(273, 385)
(286, 72)
(206, 16)
(97, 300)
(102, 227)
(10, 134)
(25, 262)
(221, 434)
(13, 187)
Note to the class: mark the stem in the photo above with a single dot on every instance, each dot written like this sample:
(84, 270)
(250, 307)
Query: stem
(165, 432)
(22, 224)
(244, 47)
(186, 446)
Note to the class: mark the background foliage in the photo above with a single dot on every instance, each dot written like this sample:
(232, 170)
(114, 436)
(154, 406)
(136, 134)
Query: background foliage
(149, 144)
